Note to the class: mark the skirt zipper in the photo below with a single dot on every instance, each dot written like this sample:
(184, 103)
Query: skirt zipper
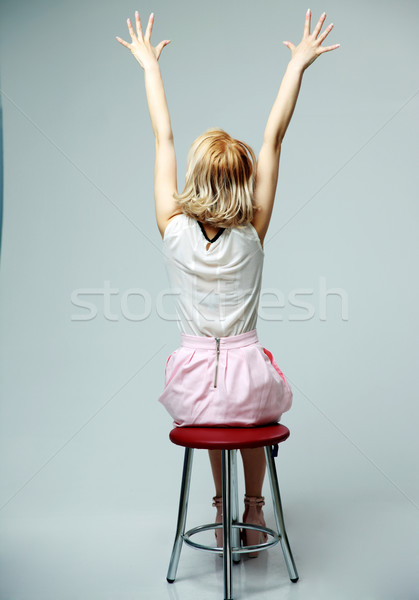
(217, 341)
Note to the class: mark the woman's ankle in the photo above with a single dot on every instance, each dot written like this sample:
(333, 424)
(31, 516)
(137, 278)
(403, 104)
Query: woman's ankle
(253, 510)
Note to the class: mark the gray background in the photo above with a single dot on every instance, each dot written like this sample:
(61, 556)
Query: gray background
(89, 479)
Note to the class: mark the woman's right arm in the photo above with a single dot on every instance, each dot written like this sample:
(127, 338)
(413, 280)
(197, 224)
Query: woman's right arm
(283, 108)
(279, 118)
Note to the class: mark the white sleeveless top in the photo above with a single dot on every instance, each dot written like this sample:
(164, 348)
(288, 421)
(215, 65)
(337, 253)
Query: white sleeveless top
(216, 291)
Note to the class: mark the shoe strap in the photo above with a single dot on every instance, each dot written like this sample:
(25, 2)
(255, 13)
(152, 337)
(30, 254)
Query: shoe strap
(248, 500)
(254, 500)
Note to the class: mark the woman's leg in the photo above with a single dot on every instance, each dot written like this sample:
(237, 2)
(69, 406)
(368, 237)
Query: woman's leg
(254, 465)
(215, 460)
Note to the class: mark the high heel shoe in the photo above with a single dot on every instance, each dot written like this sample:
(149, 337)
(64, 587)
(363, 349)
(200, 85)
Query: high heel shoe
(253, 515)
(218, 504)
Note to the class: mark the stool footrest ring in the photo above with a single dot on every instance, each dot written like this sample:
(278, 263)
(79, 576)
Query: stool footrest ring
(235, 550)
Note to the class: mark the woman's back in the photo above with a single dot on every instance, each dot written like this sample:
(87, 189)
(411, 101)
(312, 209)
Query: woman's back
(217, 282)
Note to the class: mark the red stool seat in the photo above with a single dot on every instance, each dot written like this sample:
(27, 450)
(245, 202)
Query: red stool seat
(229, 438)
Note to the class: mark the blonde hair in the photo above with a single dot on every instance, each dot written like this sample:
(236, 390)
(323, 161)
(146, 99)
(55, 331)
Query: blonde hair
(219, 181)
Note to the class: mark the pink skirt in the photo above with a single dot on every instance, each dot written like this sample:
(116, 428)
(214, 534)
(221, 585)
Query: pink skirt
(226, 381)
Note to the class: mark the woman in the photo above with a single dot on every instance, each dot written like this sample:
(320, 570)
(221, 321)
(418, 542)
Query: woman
(213, 236)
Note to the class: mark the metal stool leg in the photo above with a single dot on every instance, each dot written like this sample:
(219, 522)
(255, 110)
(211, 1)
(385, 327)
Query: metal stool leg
(235, 506)
(227, 522)
(181, 521)
(279, 517)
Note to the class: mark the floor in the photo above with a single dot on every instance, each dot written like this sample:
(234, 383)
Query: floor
(345, 548)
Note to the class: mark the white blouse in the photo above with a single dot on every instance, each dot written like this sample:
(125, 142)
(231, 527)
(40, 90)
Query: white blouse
(217, 290)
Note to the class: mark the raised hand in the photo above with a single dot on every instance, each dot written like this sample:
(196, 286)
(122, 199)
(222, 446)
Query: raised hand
(310, 46)
(141, 47)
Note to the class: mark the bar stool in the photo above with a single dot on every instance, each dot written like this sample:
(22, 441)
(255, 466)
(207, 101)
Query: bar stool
(229, 440)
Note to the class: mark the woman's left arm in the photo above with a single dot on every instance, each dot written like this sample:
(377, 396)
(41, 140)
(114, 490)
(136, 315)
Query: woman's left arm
(165, 173)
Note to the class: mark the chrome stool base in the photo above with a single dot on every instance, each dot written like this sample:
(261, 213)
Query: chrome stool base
(231, 550)
(234, 549)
